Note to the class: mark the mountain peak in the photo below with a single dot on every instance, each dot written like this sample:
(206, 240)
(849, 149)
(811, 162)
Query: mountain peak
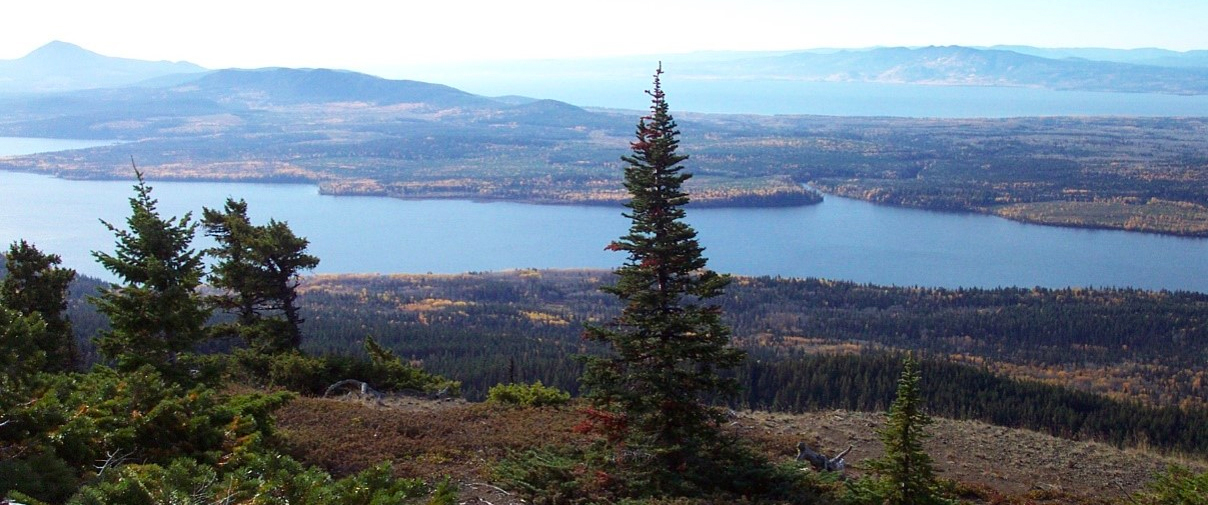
(58, 47)
(63, 66)
(59, 52)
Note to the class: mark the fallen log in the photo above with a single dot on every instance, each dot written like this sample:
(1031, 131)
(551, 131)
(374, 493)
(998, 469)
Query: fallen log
(361, 387)
(820, 462)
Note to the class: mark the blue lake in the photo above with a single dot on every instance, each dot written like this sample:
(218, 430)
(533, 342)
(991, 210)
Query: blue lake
(839, 239)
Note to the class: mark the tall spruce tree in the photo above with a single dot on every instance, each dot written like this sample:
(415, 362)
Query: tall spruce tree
(36, 284)
(669, 347)
(157, 312)
(258, 266)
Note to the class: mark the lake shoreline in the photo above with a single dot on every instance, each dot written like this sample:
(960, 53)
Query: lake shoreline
(747, 202)
(840, 239)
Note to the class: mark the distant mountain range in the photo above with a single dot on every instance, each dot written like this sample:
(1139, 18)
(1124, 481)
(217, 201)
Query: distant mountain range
(1084, 69)
(60, 66)
(956, 65)
(1144, 56)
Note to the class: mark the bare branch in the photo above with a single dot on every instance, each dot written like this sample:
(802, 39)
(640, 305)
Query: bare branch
(497, 488)
(113, 459)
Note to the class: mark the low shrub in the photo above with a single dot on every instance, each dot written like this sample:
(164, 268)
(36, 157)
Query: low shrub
(302, 373)
(1176, 486)
(527, 395)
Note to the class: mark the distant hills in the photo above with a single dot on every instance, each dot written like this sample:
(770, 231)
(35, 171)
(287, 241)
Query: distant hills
(956, 65)
(1083, 69)
(60, 66)
(1143, 56)
(293, 86)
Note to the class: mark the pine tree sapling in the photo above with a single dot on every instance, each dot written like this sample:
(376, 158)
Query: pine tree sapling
(36, 284)
(158, 311)
(906, 470)
(669, 347)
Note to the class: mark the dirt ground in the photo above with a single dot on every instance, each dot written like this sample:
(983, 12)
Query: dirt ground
(1010, 461)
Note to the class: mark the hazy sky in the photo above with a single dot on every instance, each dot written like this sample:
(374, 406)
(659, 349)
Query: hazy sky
(361, 33)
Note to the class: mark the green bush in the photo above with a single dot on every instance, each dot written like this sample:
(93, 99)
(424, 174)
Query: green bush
(261, 477)
(298, 372)
(545, 476)
(388, 372)
(312, 375)
(590, 475)
(43, 476)
(106, 415)
(530, 395)
(1176, 486)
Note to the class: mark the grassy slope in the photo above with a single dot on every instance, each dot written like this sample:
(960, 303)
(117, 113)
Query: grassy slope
(461, 440)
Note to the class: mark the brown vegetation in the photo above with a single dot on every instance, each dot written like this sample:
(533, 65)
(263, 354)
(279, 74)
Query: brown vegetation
(453, 438)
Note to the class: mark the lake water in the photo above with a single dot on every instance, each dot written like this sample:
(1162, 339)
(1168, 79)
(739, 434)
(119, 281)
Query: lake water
(839, 239)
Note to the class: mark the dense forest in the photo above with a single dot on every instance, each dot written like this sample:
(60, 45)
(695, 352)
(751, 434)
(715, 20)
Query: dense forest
(866, 382)
(1095, 339)
(1118, 365)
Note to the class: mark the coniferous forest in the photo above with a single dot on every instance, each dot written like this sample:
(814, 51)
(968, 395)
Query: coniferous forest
(1118, 365)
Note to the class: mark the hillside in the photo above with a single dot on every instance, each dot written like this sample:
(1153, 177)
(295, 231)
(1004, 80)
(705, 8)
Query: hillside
(288, 86)
(464, 440)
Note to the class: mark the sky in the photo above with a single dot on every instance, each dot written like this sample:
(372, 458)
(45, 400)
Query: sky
(357, 34)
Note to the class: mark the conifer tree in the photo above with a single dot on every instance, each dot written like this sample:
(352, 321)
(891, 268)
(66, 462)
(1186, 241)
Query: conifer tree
(20, 356)
(669, 347)
(157, 312)
(906, 470)
(258, 266)
(36, 284)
